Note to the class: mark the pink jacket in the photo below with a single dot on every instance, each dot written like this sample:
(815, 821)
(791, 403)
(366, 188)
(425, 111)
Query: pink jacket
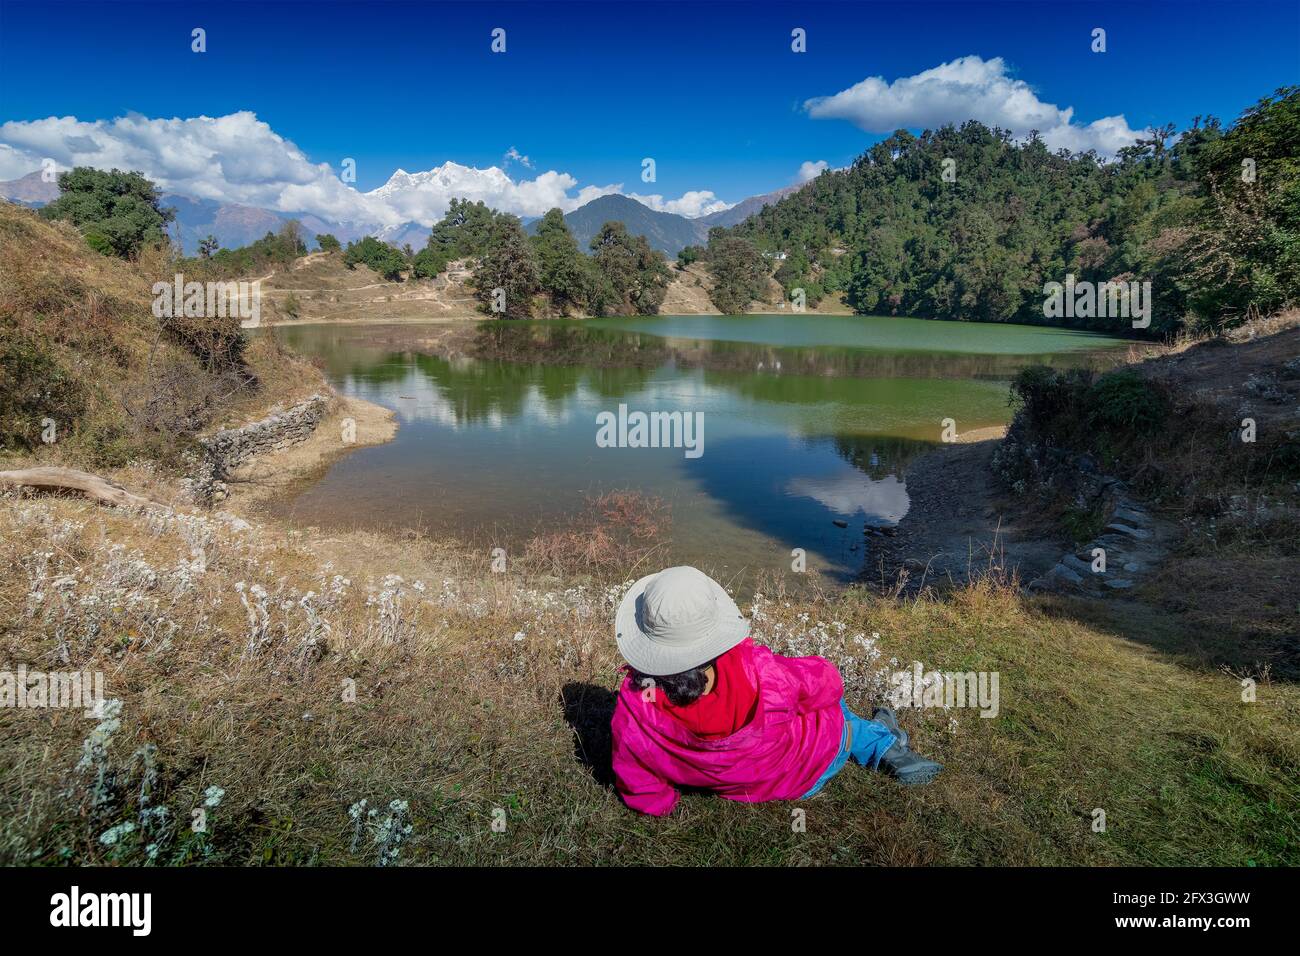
(790, 742)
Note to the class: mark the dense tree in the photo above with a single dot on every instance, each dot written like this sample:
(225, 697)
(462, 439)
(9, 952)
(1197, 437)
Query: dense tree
(428, 262)
(208, 246)
(465, 230)
(561, 267)
(739, 273)
(118, 212)
(795, 272)
(690, 254)
(379, 256)
(629, 278)
(964, 223)
(507, 277)
(328, 243)
(1244, 253)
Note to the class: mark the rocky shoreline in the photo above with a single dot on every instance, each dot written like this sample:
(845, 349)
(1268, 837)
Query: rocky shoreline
(1130, 546)
(962, 523)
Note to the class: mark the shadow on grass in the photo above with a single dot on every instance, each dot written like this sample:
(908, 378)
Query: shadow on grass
(588, 709)
(1198, 626)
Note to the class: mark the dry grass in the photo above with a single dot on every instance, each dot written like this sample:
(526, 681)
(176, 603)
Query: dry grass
(320, 288)
(134, 389)
(616, 531)
(483, 692)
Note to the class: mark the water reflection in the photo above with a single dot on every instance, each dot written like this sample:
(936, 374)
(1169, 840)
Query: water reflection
(493, 450)
(851, 494)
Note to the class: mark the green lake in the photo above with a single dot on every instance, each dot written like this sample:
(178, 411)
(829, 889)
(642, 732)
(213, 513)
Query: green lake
(808, 423)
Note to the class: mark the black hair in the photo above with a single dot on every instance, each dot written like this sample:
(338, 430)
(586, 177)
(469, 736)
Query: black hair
(681, 689)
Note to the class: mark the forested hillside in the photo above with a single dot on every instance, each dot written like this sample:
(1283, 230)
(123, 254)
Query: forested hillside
(964, 223)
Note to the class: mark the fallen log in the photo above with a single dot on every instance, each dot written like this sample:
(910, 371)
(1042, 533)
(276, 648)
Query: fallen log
(68, 479)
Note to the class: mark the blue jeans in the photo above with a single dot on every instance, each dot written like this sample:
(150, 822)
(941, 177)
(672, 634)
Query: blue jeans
(867, 745)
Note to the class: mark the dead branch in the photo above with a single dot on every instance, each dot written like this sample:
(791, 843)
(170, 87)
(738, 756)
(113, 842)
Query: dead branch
(68, 479)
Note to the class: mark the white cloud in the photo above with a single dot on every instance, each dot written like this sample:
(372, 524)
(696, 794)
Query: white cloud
(811, 170)
(969, 88)
(692, 204)
(423, 197)
(234, 159)
(240, 159)
(513, 155)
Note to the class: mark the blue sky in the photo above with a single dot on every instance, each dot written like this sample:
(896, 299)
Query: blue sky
(711, 91)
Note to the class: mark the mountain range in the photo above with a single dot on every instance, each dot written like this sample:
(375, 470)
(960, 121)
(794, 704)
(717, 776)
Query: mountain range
(237, 225)
(665, 231)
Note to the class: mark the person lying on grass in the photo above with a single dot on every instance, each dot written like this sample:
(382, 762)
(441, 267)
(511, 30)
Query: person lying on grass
(703, 706)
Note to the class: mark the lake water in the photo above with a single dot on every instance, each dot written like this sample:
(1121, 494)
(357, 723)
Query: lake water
(807, 421)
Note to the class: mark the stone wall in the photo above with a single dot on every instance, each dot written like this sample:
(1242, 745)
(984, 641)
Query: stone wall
(225, 450)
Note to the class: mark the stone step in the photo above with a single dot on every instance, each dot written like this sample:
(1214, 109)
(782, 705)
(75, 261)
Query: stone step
(1081, 568)
(1121, 528)
(1122, 548)
(1130, 559)
(1131, 515)
(1056, 576)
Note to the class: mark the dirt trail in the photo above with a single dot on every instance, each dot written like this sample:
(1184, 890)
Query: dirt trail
(326, 291)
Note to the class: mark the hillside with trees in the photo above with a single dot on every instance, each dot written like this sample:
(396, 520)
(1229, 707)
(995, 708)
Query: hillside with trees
(83, 351)
(964, 223)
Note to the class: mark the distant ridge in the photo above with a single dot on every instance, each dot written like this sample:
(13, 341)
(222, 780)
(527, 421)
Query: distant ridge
(236, 225)
(30, 190)
(668, 232)
(665, 231)
(747, 207)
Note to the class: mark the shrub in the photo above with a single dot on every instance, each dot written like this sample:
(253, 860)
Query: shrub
(218, 343)
(271, 252)
(33, 386)
(1124, 401)
(1045, 396)
(428, 263)
(118, 212)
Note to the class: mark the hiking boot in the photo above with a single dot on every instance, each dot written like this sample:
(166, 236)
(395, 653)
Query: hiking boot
(886, 716)
(908, 768)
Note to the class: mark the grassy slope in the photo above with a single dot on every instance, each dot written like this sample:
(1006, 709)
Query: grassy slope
(1229, 585)
(325, 290)
(144, 393)
(456, 716)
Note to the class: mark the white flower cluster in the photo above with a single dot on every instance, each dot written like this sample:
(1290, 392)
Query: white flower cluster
(395, 622)
(94, 764)
(857, 656)
(387, 835)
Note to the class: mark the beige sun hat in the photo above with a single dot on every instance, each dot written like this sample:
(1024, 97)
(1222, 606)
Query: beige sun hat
(677, 619)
